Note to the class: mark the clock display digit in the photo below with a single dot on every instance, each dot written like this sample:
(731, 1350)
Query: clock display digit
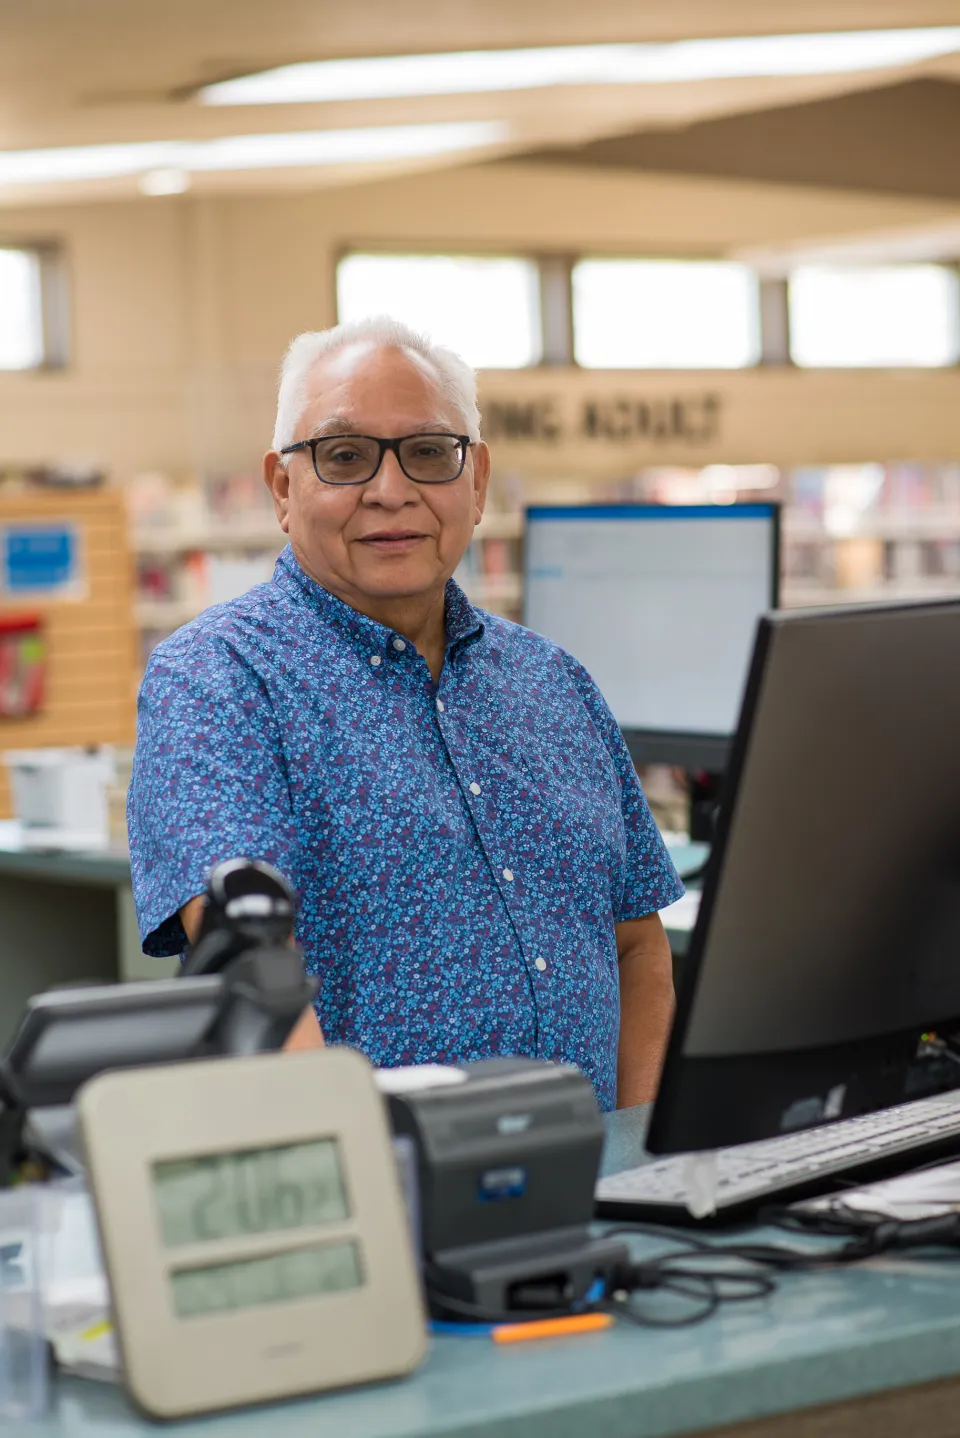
(208, 1197)
(272, 1278)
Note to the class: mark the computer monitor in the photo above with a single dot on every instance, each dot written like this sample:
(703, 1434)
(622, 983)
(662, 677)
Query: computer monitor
(828, 938)
(68, 1035)
(660, 604)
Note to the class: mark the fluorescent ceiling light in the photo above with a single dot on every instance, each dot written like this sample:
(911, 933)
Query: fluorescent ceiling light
(165, 182)
(246, 152)
(471, 72)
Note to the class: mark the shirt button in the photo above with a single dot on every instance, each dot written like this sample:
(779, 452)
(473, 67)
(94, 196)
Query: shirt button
(508, 875)
(540, 964)
(374, 660)
(440, 706)
(474, 788)
(399, 645)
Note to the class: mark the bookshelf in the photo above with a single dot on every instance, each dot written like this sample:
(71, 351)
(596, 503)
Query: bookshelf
(850, 533)
(198, 545)
(490, 572)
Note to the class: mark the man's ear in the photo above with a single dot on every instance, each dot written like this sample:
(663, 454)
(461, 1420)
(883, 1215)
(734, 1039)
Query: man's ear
(277, 480)
(481, 476)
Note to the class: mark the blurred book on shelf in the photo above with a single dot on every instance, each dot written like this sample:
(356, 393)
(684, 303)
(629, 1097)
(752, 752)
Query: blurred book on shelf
(198, 542)
(70, 474)
(851, 532)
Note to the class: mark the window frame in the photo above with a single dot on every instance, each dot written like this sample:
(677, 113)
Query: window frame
(54, 304)
(399, 249)
(877, 366)
(557, 330)
(676, 257)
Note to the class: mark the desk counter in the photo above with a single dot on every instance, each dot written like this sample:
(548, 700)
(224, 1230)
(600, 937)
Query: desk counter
(869, 1352)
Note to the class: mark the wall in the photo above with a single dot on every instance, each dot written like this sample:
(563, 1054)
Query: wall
(182, 308)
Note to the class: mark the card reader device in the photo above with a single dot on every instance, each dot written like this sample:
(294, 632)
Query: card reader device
(242, 990)
(507, 1157)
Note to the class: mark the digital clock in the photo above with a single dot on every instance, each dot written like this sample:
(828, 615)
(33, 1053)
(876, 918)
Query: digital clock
(252, 1227)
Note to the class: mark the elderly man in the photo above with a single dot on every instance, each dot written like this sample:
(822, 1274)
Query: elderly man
(477, 868)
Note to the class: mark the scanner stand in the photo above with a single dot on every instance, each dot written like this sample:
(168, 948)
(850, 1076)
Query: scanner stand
(551, 1270)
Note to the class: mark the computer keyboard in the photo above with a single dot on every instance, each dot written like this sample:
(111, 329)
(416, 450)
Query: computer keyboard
(780, 1169)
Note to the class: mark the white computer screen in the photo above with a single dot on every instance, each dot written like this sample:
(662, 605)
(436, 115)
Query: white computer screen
(659, 603)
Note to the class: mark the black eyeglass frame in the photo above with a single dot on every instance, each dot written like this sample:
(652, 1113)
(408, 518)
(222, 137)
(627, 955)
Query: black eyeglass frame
(393, 445)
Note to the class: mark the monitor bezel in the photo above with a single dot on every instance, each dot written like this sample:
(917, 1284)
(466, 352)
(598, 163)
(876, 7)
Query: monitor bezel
(116, 1001)
(684, 749)
(710, 1102)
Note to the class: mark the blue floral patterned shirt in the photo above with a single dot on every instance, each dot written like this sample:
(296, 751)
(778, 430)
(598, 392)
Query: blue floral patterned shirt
(461, 850)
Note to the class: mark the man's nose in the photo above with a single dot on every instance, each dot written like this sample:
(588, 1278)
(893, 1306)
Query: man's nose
(390, 486)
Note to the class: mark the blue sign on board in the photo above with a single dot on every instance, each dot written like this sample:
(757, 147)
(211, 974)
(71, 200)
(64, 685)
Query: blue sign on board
(40, 559)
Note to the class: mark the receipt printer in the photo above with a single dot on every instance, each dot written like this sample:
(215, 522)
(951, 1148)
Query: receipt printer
(507, 1154)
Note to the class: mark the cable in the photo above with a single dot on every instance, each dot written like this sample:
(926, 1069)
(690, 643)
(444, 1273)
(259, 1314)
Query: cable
(706, 1287)
(864, 1235)
(706, 1274)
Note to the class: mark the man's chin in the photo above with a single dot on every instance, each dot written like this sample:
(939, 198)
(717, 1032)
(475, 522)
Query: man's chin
(391, 582)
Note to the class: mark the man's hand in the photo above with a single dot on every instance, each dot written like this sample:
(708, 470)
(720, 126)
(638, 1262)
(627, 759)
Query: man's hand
(306, 1032)
(646, 1007)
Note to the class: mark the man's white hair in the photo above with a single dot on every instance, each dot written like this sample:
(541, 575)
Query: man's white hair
(457, 381)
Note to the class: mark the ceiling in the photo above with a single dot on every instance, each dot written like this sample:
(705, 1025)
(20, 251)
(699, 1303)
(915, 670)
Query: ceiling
(105, 71)
(896, 139)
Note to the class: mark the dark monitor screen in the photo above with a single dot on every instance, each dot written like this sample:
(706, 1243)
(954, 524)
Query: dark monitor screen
(828, 938)
(660, 604)
(67, 1035)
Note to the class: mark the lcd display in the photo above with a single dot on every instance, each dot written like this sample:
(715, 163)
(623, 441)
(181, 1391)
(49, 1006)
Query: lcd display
(231, 1195)
(272, 1278)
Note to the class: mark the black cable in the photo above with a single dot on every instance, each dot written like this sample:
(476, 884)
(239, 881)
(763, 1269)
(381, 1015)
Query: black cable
(708, 1274)
(672, 1273)
(864, 1235)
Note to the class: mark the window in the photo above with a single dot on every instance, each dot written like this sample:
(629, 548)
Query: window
(665, 314)
(21, 310)
(485, 309)
(878, 315)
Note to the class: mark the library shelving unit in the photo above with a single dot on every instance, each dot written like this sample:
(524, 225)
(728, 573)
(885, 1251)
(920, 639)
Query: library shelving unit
(190, 557)
(851, 533)
(491, 571)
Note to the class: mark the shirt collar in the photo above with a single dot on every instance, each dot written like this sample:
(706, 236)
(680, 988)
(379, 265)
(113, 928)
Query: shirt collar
(463, 622)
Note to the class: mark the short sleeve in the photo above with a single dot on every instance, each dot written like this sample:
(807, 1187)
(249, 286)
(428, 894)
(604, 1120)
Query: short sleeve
(651, 881)
(209, 781)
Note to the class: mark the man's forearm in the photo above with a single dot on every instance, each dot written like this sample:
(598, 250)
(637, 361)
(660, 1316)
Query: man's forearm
(646, 1008)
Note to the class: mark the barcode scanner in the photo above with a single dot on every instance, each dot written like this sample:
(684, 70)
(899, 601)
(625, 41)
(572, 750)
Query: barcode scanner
(246, 935)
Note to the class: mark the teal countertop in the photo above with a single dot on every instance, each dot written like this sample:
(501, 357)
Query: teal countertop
(821, 1338)
(113, 863)
(109, 866)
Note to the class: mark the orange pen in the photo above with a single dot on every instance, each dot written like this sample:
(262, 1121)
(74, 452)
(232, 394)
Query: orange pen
(552, 1327)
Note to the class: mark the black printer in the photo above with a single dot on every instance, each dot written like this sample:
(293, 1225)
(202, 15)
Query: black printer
(507, 1155)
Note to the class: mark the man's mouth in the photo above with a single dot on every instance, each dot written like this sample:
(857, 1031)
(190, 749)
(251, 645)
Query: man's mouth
(393, 541)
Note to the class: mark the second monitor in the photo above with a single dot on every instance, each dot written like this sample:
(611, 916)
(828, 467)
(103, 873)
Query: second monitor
(660, 604)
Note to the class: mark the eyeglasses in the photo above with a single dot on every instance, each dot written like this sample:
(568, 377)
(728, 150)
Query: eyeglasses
(355, 458)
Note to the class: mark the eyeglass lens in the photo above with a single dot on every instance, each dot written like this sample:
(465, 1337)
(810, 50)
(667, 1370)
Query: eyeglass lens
(429, 458)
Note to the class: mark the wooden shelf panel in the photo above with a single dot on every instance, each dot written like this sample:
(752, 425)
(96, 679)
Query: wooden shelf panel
(91, 641)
